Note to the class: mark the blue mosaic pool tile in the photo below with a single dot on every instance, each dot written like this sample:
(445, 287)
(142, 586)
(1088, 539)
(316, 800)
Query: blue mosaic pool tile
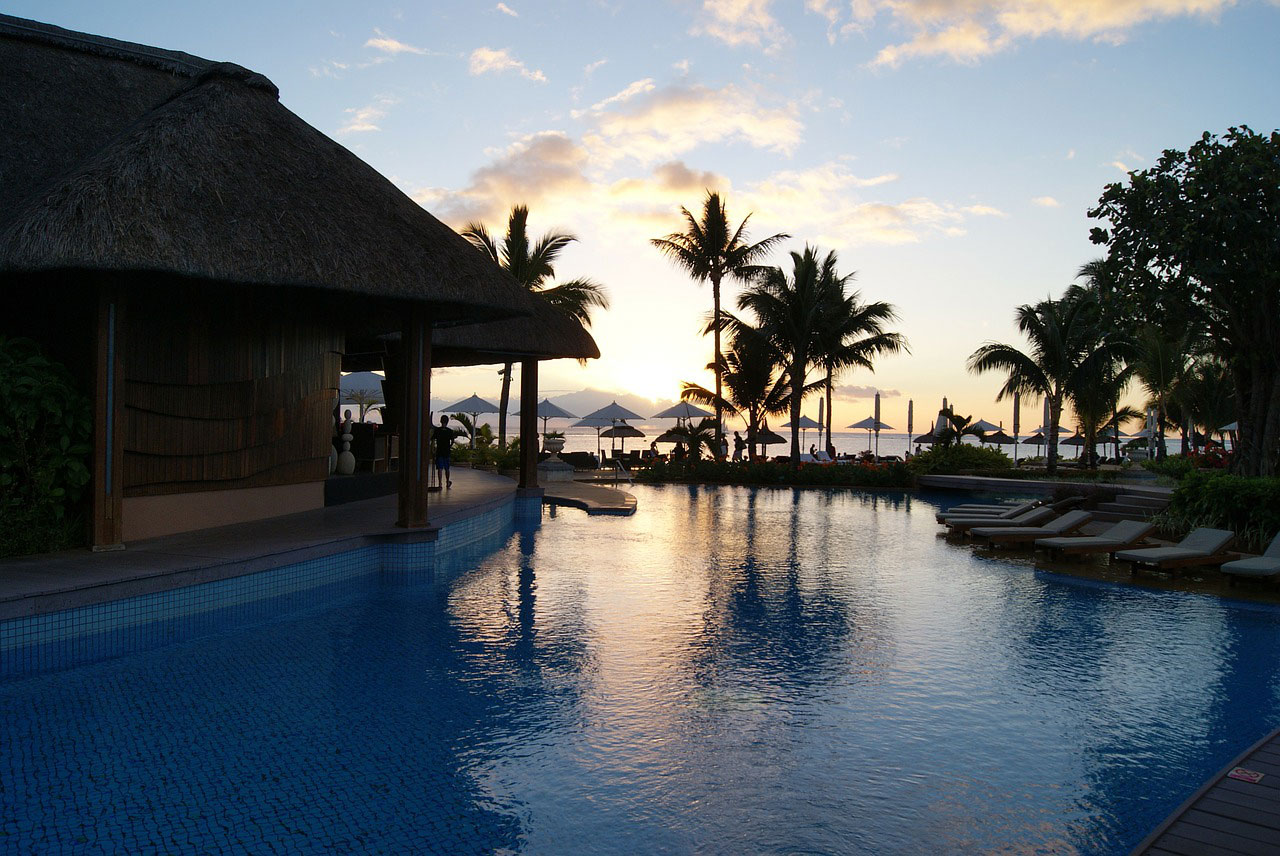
(87, 634)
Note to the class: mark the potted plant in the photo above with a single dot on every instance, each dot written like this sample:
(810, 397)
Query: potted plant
(553, 442)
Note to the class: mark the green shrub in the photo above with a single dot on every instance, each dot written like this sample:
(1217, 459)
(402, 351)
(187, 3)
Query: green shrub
(509, 458)
(1247, 505)
(772, 473)
(1175, 467)
(959, 459)
(45, 425)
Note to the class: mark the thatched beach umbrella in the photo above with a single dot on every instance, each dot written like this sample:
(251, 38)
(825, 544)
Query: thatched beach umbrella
(622, 431)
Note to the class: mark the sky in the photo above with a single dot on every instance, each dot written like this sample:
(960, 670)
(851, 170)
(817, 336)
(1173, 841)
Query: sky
(947, 150)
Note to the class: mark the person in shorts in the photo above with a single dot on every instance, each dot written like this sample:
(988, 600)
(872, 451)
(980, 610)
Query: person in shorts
(443, 438)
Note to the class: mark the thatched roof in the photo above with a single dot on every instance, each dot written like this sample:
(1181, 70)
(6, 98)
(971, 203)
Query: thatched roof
(119, 157)
(546, 334)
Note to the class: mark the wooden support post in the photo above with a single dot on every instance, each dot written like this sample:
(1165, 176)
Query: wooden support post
(108, 433)
(529, 424)
(415, 443)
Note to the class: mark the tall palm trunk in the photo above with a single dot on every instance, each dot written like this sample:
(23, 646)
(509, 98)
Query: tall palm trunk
(502, 405)
(715, 299)
(1055, 414)
(830, 374)
(797, 399)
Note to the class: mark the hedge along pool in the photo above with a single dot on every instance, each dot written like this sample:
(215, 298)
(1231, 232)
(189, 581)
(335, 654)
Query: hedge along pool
(731, 670)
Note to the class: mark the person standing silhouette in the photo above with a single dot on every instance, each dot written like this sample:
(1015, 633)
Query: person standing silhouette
(443, 438)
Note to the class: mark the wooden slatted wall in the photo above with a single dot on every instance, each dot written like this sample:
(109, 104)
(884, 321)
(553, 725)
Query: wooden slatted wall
(225, 392)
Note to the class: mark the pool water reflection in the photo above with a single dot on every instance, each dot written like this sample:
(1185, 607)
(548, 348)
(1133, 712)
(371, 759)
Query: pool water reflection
(729, 671)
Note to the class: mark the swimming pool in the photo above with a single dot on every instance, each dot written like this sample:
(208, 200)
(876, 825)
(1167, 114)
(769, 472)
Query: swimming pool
(728, 671)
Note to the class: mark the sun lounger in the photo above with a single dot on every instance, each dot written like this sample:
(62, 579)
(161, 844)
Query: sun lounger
(1064, 525)
(1123, 534)
(1202, 547)
(822, 457)
(1266, 565)
(1033, 517)
(995, 513)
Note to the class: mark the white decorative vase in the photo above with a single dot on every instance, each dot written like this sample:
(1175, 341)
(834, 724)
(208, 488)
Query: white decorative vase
(346, 460)
(554, 445)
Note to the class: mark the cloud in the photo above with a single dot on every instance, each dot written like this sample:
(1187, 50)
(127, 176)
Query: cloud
(650, 125)
(1046, 202)
(824, 204)
(486, 60)
(741, 23)
(363, 119)
(851, 391)
(389, 45)
(965, 42)
(531, 171)
(969, 30)
(631, 91)
(592, 68)
(507, 10)
(983, 211)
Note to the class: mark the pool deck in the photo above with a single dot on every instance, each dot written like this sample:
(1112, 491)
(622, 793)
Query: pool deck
(36, 585)
(1230, 813)
(591, 498)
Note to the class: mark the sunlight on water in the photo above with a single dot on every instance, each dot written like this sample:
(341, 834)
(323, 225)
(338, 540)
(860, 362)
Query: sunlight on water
(728, 671)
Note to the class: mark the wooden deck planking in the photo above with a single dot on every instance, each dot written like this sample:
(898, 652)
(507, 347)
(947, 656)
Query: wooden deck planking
(1227, 816)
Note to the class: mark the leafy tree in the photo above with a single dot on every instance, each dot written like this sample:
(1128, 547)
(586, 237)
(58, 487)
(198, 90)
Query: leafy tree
(1197, 237)
(851, 334)
(533, 266)
(1067, 347)
(44, 450)
(789, 311)
(710, 252)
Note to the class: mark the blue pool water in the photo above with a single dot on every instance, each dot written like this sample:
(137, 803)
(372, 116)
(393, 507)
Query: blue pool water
(729, 671)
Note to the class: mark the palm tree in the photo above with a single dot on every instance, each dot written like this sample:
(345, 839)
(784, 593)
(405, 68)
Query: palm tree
(710, 252)
(754, 388)
(789, 311)
(956, 429)
(695, 437)
(1096, 404)
(1160, 363)
(365, 399)
(533, 267)
(850, 334)
(1206, 395)
(1066, 347)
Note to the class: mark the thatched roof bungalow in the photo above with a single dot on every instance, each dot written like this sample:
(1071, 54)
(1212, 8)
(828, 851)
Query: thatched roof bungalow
(204, 259)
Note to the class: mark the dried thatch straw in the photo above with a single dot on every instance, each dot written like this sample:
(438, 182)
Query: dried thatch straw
(123, 158)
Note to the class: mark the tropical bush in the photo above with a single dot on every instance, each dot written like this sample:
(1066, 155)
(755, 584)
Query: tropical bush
(774, 473)
(1172, 466)
(947, 460)
(1248, 506)
(45, 424)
